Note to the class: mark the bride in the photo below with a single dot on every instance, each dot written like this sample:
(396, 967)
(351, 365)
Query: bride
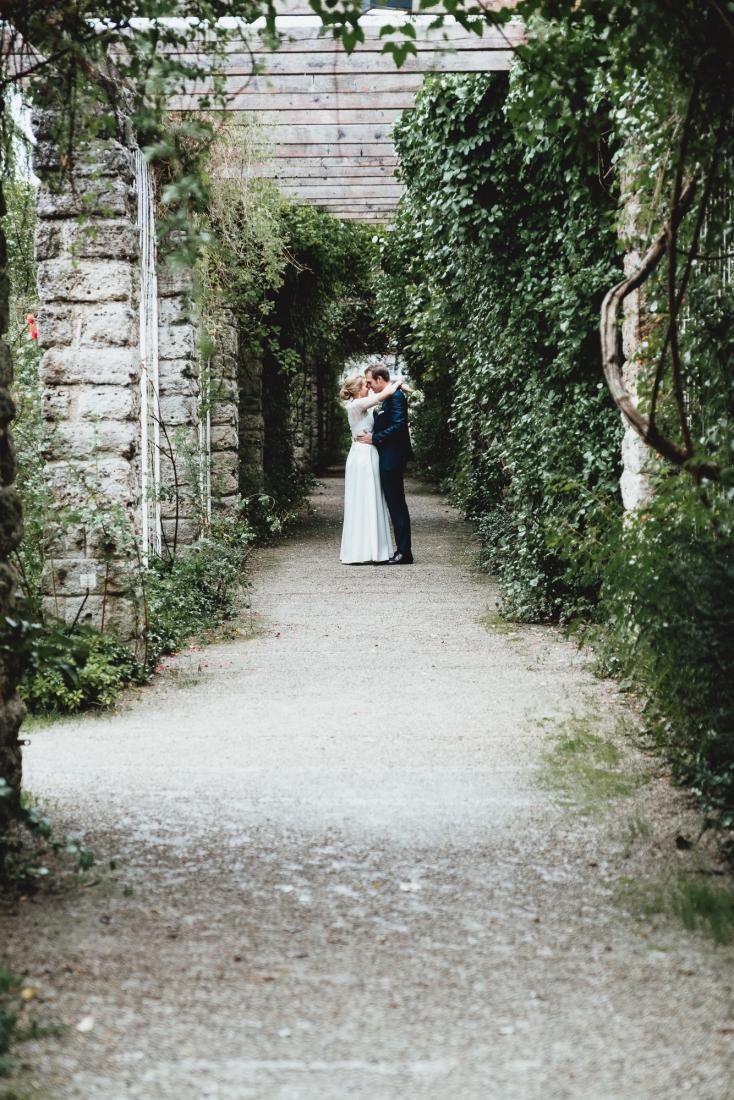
(366, 532)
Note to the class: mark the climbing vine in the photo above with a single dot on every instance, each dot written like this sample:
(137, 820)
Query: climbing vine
(492, 282)
(616, 123)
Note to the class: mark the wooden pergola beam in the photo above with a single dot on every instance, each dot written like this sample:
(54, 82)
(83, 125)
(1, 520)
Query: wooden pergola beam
(328, 115)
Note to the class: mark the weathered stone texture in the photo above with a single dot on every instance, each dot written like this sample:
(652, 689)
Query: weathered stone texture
(80, 440)
(108, 402)
(251, 428)
(80, 366)
(224, 437)
(97, 238)
(634, 482)
(179, 411)
(89, 285)
(306, 417)
(68, 280)
(113, 325)
(178, 403)
(105, 197)
(178, 377)
(224, 475)
(115, 477)
(184, 404)
(54, 326)
(178, 340)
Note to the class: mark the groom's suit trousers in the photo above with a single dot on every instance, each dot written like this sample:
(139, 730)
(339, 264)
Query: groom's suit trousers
(394, 489)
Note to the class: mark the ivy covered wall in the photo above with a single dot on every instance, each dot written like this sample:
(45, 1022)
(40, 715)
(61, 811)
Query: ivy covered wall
(492, 283)
(527, 201)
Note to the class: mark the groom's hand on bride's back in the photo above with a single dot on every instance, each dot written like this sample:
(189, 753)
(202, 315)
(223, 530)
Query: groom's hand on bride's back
(364, 437)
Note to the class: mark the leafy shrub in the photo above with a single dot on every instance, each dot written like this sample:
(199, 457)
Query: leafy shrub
(492, 282)
(668, 630)
(205, 584)
(9, 984)
(27, 840)
(101, 665)
(188, 594)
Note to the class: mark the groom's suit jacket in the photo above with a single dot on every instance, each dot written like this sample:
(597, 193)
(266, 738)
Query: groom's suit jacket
(390, 433)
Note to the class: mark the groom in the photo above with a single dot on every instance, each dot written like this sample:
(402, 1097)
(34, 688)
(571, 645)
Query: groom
(391, 437)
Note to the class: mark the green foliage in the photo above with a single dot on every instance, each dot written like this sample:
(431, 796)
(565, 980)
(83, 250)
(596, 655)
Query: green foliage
(300, 285)
(204, 585)
(95, 669)
(11, 1005)
(28, 426)
(590, 766)
(8, 1021)
(492, 283)
(699, 902)
(668, 573)
(493, 280)
(702, 905)
(160, 48)
(67, 669)
(27, 841)
(435, 446)
(668, 631)
(71, 669)
(323, 315)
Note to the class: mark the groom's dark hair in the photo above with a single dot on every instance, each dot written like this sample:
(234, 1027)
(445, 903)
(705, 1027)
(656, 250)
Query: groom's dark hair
(378, 371)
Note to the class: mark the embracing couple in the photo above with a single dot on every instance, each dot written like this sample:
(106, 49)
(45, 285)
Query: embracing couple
(373, 479)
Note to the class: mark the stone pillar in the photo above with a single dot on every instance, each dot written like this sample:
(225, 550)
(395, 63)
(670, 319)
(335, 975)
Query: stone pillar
(634, 481)
(88, 283)
(314, 416)
(223, 416)
(251, 422)
(11, 531)
(198, 413)
(178, 410)
(306, 415)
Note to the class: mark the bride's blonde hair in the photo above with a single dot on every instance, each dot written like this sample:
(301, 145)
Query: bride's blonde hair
(351, 386)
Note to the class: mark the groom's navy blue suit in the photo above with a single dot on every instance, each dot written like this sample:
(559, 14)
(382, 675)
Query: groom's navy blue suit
(391, 437)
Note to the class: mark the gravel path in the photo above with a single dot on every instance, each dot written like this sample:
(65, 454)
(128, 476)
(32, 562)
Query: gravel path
(339, 875)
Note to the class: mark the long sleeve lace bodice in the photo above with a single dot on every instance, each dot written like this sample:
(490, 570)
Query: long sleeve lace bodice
(359, 411)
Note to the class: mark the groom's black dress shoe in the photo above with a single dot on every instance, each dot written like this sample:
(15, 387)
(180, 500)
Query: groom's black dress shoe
(400, 559)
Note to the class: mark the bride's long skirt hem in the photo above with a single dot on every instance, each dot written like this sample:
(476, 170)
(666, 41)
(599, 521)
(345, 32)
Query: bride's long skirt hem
(366, 561)
(366, 533)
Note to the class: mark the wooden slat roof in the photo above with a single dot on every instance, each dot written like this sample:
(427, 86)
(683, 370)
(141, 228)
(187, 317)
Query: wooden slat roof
(329, 115)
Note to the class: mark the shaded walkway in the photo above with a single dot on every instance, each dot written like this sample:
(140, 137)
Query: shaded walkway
(346, 880)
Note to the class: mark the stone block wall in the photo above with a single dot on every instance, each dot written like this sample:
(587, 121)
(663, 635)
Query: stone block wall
(223, 421)
(251, 433)
(306, 416)
(178, 410)
(89, 285)
(89, 282)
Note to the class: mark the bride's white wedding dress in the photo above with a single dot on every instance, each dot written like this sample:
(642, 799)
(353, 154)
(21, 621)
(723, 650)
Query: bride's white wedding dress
(366, 532)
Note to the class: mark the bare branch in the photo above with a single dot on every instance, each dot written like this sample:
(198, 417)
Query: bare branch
(611, 358)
